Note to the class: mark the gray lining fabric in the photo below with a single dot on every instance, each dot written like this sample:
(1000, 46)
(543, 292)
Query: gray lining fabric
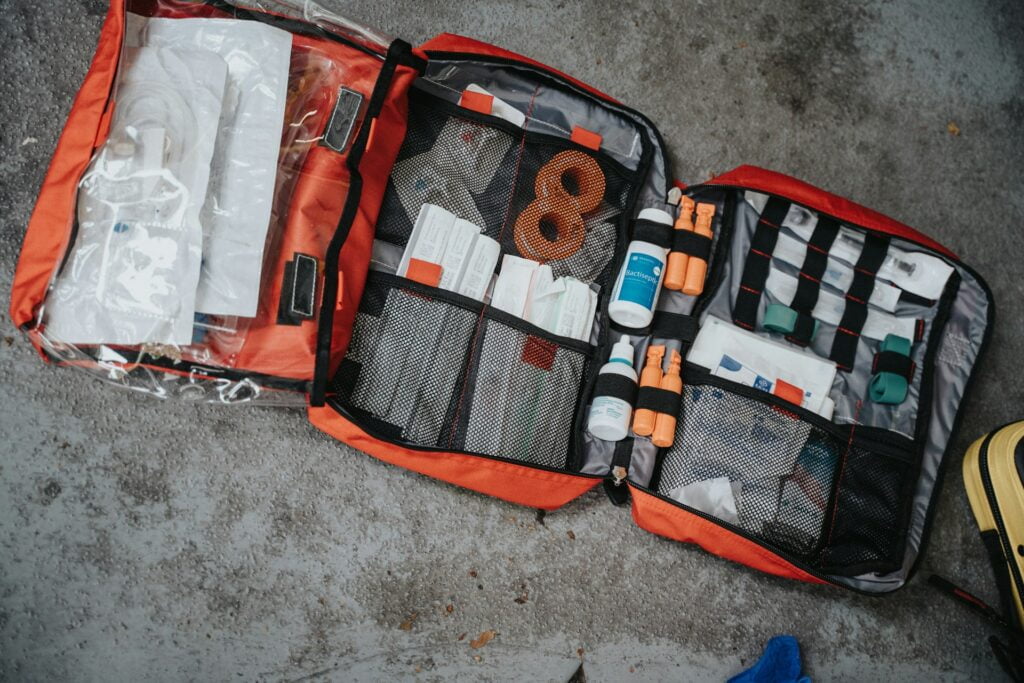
(962, 339)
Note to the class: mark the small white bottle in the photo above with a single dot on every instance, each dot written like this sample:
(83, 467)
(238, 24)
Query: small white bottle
(609, 416)
(639, 283)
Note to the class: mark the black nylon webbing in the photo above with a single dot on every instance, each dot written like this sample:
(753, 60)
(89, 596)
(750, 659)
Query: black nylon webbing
(616, 386)
(811, 272)
(855, 313)
(659, 400)
(890, 361)
(669, 325)
(652, 232)
(692, 243)
(758, 263)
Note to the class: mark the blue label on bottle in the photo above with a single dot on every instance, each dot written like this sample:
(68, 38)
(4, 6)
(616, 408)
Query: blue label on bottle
(640, 283)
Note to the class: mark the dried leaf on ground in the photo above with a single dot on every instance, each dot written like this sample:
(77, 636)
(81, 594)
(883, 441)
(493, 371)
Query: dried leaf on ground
(407, 624)
(482, 639)
(953, 128)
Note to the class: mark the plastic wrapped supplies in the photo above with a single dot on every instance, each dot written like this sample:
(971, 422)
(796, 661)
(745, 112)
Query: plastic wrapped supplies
(174, 209)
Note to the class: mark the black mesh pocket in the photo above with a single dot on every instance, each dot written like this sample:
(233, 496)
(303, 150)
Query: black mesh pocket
(540, 197)
(872, 506)
(404, 362)
(521, 397)
(460, 164)
(754, 465)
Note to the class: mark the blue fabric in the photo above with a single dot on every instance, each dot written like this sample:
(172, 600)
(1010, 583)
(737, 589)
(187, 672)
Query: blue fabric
(780, 663)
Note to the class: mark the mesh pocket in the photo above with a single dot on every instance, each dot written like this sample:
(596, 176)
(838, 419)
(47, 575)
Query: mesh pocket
(541, 199)
(404, 361)
(456, 163)
(522, 395)
(753, 465)
(869, 531)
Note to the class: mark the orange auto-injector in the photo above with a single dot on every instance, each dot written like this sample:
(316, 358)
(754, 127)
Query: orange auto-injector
(644, 418)
(675, 270)
(665, 425)
(697, 268)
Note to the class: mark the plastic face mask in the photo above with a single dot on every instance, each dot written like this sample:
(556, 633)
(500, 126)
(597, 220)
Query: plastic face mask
(131, 276)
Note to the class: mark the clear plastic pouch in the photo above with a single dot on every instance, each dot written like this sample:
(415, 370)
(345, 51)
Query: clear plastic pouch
(195, 257)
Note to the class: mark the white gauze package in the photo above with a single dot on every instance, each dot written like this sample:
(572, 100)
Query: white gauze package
(237, 211)
(132, 273)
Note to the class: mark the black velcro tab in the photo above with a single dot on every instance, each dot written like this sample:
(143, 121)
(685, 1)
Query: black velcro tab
(669, 325)
(298, 291)
(343, 120)
(616, 386)
(659, 400)
(692, 243)
(653, 232)
(897, 363)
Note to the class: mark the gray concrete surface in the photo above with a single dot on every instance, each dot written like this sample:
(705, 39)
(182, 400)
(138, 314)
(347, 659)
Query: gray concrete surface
(141, 539)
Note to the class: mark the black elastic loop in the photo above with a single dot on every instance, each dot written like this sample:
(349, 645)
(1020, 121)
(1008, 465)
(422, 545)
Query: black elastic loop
(758, 262)
(897, 363)
(855, 312)
(653, 232)
(667, 325)
(814, 265)
(616, 386)
(623, 453)
(692, 243)
(658, 400)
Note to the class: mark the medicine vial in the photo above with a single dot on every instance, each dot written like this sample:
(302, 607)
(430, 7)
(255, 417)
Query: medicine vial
(639, 283)
(609, 415)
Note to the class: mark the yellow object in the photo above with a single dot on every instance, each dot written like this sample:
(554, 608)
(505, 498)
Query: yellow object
(697, 269)
(991, 460)
(644, 418)
(675, 271)
(665, 425)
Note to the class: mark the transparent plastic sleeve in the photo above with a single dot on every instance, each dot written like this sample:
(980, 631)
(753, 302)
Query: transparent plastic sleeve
(196, 248)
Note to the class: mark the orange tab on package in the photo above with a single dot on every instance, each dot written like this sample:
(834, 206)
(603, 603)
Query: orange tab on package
(789, 392)
(424, 272)
(481, 103)
(586, 138)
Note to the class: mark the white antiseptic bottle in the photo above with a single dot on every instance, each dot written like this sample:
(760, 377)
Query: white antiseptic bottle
(639, 282)
(609, 415)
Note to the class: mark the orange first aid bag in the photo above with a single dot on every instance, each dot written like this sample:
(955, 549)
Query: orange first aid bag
(420, 246)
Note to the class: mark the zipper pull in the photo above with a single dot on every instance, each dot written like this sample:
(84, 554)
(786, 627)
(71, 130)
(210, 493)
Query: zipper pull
(619, 474)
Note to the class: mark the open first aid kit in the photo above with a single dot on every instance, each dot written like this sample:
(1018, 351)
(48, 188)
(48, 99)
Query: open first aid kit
(473, 266)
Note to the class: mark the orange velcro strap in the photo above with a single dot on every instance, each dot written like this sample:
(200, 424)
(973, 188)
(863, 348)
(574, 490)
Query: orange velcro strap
(586, 138)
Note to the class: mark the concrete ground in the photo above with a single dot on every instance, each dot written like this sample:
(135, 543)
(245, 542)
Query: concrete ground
(141, 539)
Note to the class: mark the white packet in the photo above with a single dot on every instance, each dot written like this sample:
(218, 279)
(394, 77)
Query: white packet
(132, 274)
(242, 180)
